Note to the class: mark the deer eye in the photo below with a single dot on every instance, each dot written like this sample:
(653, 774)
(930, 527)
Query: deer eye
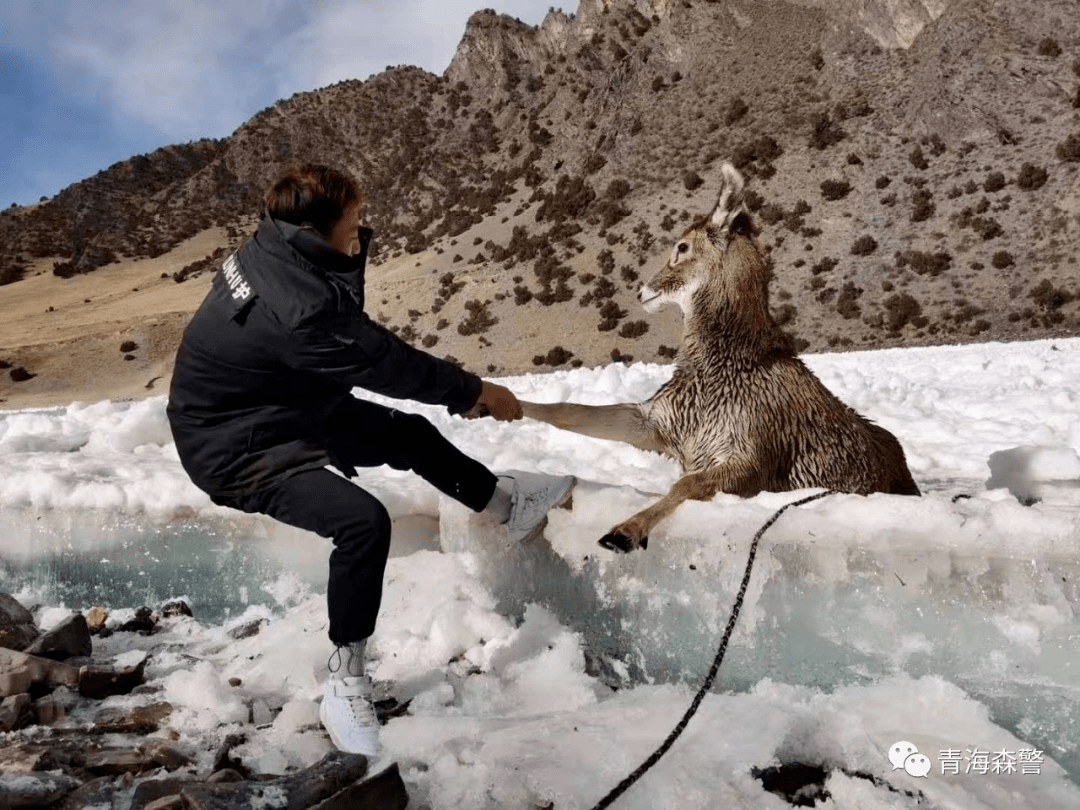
(683, 247)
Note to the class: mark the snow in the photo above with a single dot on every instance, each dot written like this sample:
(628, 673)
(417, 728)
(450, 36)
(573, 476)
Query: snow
(547, 673)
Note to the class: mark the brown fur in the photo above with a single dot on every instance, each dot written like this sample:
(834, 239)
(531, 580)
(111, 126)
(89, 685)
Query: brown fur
(741, 413)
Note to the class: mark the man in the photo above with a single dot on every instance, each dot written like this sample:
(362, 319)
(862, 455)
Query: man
(260, 404)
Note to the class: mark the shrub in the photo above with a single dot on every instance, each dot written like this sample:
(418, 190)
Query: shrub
(736, 109)
(854, 160)
(824, 266)
(619, 357)
(667, 351)
(864, 245)
(835, 189)
(986, 227)
(995, 181)
(522, 295)
(429, 341)
(692, 180)
(825, 133)
(933, 264)
(557, 355)
(1031, 177)
(846, 303)
(900, 310)
(1048, 46)
(128, 346)
(1002, 259)
(785, 314)
(1049, 297)
(922, 205)
(882, 182)
(1068, 149)
(633, 329)
(918, 159)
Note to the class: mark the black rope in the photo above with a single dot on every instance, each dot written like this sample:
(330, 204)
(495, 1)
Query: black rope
(626, 783)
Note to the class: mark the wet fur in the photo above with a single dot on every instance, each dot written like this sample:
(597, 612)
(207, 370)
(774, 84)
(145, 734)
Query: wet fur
(741, 413)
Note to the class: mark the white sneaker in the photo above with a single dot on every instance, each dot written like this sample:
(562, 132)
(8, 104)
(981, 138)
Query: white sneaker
(532, 496)
(349, 716)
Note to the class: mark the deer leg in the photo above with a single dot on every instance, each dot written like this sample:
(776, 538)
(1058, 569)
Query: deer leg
(619, 423)
(737, 476)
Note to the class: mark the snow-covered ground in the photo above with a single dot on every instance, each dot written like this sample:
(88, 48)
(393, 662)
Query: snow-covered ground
(950, 623)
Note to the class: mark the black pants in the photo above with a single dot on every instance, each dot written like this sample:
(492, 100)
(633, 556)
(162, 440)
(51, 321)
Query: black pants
(363, 434)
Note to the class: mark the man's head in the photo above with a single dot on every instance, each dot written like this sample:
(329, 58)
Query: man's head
(326, 199)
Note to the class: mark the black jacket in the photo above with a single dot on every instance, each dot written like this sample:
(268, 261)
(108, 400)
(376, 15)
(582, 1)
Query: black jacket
(279, 341)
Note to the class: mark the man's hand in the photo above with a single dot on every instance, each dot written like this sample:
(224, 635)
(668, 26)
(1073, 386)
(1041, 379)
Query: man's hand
(498, 402)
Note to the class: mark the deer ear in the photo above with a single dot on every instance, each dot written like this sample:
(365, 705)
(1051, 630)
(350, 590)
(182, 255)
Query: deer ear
(730, 202)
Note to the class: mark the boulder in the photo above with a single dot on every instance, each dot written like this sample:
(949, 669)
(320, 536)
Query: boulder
(15, 712)
(142, 623)
(42, 670)
(153, 790)
(17, 628)
(95, 619)
(384, 791)
(34, 789)
(247, 630)
(165, 754)
(71, 637)
(111, 761)
(177, 608)
(298, 791)
(102, 680)
(101, 792)
(14, 679)
(131, 720)
(174, 802)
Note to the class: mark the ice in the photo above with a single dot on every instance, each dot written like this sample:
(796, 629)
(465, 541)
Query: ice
(1032, 473)
(547, 673)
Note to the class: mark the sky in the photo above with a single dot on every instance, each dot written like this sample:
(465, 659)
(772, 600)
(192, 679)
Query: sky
(85, 85)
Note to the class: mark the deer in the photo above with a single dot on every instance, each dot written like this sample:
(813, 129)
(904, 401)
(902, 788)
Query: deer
(741, 413)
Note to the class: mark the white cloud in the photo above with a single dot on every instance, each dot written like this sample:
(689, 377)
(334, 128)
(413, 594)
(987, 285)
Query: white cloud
(194, 68)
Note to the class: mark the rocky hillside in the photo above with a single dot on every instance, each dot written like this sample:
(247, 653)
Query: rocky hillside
(913, 166)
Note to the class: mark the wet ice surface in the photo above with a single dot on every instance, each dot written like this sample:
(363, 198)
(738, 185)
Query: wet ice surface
(948, 622)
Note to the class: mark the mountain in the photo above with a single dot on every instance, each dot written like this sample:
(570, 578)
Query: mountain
(913, 165)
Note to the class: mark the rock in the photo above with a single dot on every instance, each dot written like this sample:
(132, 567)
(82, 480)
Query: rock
(152, 790)
(14, 679)
(225, 775)
(297, 791)
(42, 670)
(17, 628)
(223, 760)
(95, 619)
(384, 791)
(102, 680)
(70, 637)
(169, 756)
(27, 757)
(142, 623)
(48, 710)
(34, 789)
(101, 792)
(177, 608)
(115, 761)
(235, 682)
(15, 712)
(133, 720)
(247, 630)
(174, 802)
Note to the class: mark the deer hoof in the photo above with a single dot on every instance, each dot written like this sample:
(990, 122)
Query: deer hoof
(622, 543)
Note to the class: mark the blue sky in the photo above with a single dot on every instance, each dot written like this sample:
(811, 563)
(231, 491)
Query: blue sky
(87, 83)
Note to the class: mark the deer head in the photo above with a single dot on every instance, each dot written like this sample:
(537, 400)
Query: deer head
(702, 257)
